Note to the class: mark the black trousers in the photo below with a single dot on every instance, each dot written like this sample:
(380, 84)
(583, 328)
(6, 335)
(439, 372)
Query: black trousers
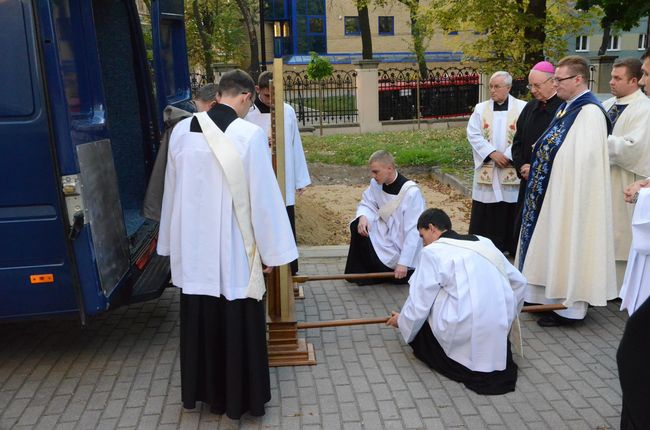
(428, 350)
(362, 258)
(496, 221)
(224, 360)
(633, 358)
(292, 220)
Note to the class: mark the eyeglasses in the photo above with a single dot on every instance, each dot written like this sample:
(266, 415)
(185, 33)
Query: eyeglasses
(558, 80)
(538, 86)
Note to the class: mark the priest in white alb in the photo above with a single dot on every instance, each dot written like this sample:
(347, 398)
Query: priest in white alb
(490, 131)
(295, 165)
(463, 299)
(629, 148)
(566, 245)
(384, 237)
(222, 221)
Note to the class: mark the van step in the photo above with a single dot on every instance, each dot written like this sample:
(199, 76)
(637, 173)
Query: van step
(154, 279)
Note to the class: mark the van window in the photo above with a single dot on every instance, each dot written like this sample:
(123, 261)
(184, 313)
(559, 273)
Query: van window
(16, 96)
(70, 38)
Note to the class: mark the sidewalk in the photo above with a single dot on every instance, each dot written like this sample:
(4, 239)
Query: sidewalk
(123, 371)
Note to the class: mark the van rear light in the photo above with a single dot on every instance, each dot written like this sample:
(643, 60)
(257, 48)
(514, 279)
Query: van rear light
(43, 278)
(142, 261)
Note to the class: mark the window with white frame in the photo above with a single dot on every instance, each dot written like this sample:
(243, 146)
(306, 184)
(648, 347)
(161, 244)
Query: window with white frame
(614, 43)
(643, 42)
(582, 43)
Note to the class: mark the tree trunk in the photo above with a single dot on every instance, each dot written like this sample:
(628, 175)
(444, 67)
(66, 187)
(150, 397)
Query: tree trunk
(535, 31)
(205, 43)
(605, 41)
(254, 68)
(418, 42)
(364, 26)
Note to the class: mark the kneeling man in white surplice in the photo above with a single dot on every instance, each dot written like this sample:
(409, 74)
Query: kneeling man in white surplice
(463, 299)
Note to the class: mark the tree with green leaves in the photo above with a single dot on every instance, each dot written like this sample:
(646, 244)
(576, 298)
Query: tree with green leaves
(617, 15)
(420, 33)
(318, 69)
(214, 34)
(510, 34)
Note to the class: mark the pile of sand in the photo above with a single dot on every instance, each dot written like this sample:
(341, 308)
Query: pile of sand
(326, 207)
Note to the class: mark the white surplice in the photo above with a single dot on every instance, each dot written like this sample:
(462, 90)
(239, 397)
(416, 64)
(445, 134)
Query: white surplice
(396, 241)
(636, 285)
(198, 226)
(482, 147)
(571, 251)
(295, 167)
(468, 302)
(629, 156)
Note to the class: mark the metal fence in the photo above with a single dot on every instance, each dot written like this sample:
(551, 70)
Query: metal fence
(443, 93)
(339, 97)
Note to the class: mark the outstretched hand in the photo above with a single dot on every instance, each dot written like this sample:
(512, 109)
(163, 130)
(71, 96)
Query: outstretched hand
(392, 321)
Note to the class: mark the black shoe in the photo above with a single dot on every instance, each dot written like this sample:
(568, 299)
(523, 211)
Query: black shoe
(555, 320)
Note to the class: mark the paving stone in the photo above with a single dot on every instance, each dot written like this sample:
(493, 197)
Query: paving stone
(123, 372)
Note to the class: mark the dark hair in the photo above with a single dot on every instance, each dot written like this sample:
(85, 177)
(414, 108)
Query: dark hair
(437, 217)
(236, 82)
(264, 81)
(632, 67)
(207, 93)
(646, 54)
(577, 65)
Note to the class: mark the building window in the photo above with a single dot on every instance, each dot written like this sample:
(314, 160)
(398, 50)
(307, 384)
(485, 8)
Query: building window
(614, 43)
(643, 42)
(316, 25)
(582, 43)
(351, 25)
(386, 25)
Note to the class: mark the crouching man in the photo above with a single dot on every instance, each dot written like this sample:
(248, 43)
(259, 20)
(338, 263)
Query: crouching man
(383, 235)
(463, 299)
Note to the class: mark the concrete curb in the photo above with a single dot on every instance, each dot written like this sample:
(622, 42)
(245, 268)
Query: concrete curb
(452, 181)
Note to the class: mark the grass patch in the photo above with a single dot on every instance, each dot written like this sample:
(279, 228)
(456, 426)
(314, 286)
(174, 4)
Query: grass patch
(331, 105)
(447, 149)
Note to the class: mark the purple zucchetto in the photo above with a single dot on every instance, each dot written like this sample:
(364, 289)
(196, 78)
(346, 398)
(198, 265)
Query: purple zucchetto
(544, 66)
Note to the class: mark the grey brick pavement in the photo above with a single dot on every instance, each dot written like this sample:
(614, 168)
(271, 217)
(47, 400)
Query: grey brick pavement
(123, 372)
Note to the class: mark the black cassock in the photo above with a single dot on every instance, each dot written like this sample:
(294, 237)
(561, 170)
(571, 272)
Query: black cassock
(534, 119)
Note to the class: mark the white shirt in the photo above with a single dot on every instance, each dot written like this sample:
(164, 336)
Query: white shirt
(396, 241)
(295, 167)
(198, 227)
(468, 303)
(481, 148)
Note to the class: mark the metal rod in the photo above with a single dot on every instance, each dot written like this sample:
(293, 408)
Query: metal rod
(299, 279)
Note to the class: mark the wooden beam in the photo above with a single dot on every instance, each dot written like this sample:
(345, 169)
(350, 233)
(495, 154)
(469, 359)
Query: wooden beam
(299, 279)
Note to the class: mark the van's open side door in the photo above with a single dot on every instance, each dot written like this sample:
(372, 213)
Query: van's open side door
(170, 54)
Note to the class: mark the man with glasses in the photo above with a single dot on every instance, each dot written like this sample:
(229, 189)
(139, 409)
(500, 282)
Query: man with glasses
(495, 187)
(223, 218)
(295, 165)
(532, 122)
(566, 247)
(629, 149)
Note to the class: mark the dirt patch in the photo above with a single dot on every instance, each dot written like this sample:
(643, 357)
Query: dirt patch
(326, 208)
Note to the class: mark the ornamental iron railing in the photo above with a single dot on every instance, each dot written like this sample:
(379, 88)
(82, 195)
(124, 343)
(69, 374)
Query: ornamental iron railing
(339, 97)
(443, 93)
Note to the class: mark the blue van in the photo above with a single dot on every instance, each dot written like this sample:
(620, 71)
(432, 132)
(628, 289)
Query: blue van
(80, 121)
